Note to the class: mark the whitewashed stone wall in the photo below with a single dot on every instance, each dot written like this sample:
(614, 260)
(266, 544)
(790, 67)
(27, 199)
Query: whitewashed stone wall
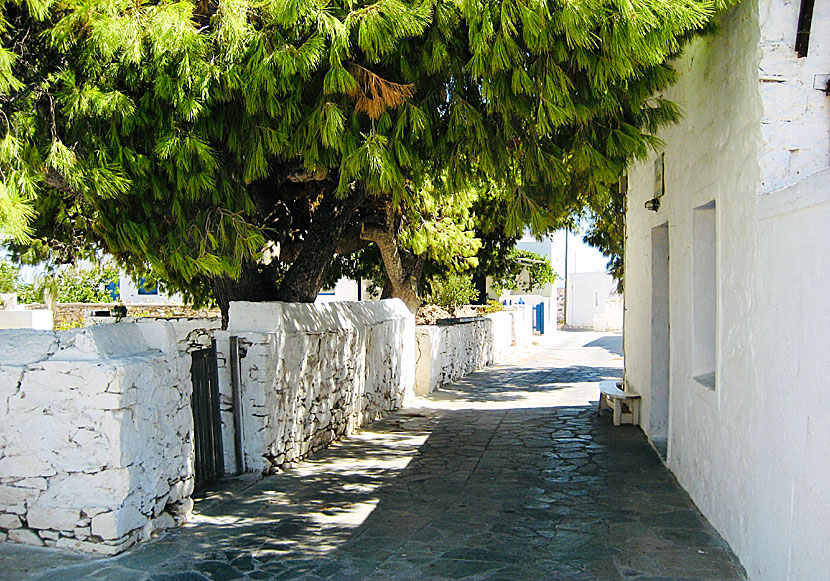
(795, 107)
(505, 327)
(96, 439)
(522, 322)
(22, 319)
(752, 450)
(313, 373)
(446, 353)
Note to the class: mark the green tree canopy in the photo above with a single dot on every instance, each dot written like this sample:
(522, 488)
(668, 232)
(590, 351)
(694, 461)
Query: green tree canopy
(232, 148)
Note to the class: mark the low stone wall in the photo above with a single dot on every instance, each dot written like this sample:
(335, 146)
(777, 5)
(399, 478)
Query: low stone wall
(447, 353)
(96, 443)
(26, 319)
(74, 314)
(313, 373)
(504, 330)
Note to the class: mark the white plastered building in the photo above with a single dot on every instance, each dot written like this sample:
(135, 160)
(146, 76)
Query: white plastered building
(727, 321)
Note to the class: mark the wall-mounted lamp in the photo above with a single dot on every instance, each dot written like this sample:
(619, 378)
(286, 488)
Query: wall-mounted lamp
(653, 204)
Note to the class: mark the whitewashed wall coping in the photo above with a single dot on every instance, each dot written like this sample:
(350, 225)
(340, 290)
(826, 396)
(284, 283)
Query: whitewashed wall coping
(312, 317)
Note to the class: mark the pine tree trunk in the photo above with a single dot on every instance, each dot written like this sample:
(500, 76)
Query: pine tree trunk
(400, 279)
(480, 282)
(304, 279)
(256, 283)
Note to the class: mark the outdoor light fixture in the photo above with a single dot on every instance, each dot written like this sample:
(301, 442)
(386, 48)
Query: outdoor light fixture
(653, 204)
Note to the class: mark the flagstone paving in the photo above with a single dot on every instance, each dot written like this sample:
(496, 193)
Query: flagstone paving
(507, 474)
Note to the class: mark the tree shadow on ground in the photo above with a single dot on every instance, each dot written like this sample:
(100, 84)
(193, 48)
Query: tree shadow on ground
(530, 493)
(551, 492)
(515, 383)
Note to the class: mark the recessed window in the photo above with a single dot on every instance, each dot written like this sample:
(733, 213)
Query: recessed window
(704, 294)
(805, 19)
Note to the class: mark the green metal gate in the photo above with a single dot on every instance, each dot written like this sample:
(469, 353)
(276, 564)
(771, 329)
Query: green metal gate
(210, 464)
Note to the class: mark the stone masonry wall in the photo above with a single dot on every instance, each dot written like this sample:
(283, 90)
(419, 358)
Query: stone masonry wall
(96, 444)
(74, 314)
(793, 92)
(447, 353)
(313, 373)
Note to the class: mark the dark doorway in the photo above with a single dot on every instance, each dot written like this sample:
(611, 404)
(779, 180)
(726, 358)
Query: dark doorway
(207, 426)
(660, 339)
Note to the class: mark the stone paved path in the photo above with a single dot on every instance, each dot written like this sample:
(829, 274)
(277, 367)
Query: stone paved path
(508, 474)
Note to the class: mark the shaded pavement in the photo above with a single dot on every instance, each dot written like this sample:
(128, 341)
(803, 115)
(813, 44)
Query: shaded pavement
(507, 474)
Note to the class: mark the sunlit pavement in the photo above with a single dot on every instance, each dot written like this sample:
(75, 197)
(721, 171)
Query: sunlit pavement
(507, 474)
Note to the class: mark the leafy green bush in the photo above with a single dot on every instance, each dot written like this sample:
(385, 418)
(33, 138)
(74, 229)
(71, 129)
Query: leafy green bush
(27, 294)
(72, 285)
(493, 306)
(86, 285)
(538, 269)
(453, 290)
(8, 277)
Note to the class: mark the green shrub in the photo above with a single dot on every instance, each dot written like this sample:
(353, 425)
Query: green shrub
(86, 285)
(28, 294)
(453, 290)
(71, 285)
(8, 277)
(509, 276)
(493, 306)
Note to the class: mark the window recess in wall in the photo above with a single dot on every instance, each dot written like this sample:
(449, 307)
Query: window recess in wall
(704, 294)
(802, 36)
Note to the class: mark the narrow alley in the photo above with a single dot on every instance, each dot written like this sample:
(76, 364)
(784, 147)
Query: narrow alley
(507, 474)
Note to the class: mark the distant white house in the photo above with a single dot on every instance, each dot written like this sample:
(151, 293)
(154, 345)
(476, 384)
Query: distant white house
(727, 320)
(130, 292)
(589, 286)
(345, 290)
(593, 301)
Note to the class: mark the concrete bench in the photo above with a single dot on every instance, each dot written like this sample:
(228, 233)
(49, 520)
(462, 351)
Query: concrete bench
(614, 398)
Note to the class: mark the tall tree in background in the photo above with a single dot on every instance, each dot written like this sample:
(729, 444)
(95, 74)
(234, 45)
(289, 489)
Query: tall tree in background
(233, 148)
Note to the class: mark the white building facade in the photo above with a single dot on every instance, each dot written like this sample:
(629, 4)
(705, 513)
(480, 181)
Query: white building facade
(727, 318)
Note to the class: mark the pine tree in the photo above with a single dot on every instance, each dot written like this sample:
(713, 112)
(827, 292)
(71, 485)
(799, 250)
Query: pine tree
(231, 149)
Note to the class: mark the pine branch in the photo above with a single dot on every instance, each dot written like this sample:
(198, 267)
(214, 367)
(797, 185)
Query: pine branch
(374, 94)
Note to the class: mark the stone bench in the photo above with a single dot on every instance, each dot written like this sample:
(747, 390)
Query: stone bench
(611, 396)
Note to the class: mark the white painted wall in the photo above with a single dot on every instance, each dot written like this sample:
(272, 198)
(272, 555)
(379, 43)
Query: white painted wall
(313, 373)
(588, 293)
(96, 446)
(344, 290)
(795, 115)
(41, 319)
(752, 450)
(128, 293)
(446, 353)
(528, 302)
(96, 443)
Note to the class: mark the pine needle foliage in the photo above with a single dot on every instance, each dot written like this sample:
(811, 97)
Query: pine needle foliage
(191, 138)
